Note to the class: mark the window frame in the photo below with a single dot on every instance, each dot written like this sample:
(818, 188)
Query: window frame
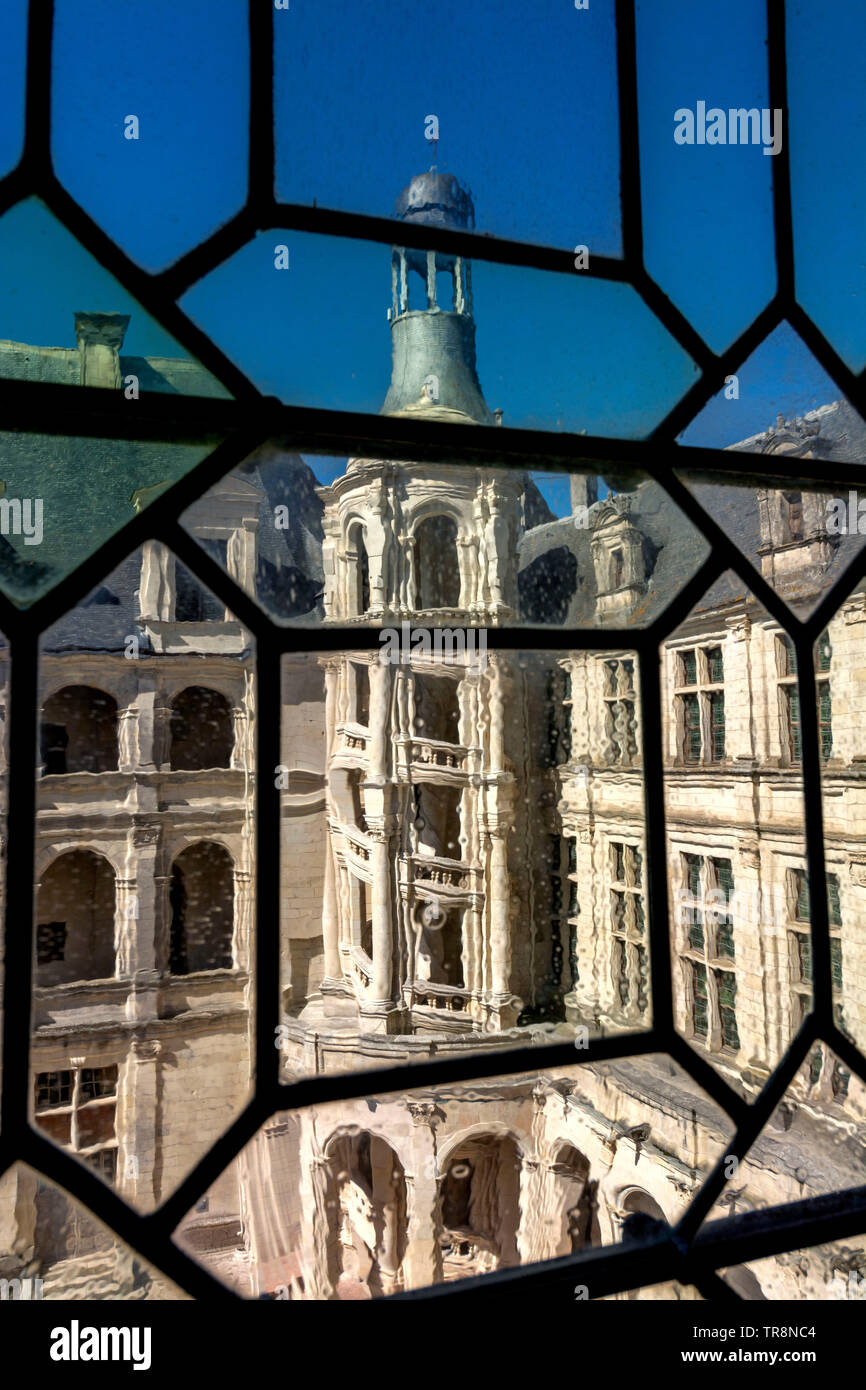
(687, 1253)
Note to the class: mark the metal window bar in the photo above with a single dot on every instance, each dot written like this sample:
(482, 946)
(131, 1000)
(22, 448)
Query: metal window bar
(685, 1252)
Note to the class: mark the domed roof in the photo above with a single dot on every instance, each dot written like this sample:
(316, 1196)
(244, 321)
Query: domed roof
(437, 199)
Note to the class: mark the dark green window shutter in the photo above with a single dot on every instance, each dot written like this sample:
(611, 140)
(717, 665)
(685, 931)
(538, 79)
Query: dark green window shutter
(693, 729)
(825, 718)
(836, 962)
(690, 668)
(699, 1010)
(804, 944)
(803, 912)
(793, 696)
(833, 900)
(715, 664)
(717, 723)
(790, 663)
(727, 987)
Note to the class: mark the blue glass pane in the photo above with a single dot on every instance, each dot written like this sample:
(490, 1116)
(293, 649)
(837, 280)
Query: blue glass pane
(13, 52)
(56, 302)
(182, 71)
(781, 378)
(524, 96)
(826, 51)
(707, 207)
(553, 351)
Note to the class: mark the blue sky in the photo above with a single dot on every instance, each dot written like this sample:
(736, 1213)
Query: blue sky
(525, 100)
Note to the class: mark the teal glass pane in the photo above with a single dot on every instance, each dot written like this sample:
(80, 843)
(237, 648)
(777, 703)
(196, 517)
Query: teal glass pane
(150, 119)
(534, 130)
(61, 497)
(67, 321)
(707, 207)
(825, 46)
(312, 319)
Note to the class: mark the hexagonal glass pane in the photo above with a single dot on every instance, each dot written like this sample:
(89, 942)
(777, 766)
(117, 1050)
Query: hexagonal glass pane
(143, 915)
(702, 198)
(463, 852)
(364, 541)
(734, 822)
(828, 190)
(72, 323)
(307, 318)
(150, 120)
(354, 84)
(501, 1172)
(813, 1145)
(781, 402)
(13, 61)
(54, 1249)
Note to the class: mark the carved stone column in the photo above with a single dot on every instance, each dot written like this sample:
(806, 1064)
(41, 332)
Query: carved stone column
(383, 927)
(142, 923)
(380, 705)
(156, 592)
(330, 916)
(243, 918)
(127, 739)
(422, 1262)
(240, 727)
(138, 1126)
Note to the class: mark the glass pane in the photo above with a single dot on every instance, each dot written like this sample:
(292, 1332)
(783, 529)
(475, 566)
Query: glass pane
(551, 175)
(828, 190)
(150, 118)
(71, 322)
(317, 539)
(144, 877)
(13, 57)
(54, 1250)
(799, 1156)
(702, 198)
(66, 495)
(781, 402)
(501, 1172)
(840, 719)
(306, 317)
(736, 853)
(419, 913)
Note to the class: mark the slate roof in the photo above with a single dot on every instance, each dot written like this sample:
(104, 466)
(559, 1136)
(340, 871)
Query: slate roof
(562, 588)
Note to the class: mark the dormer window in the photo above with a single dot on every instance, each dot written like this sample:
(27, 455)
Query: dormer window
(617, 568)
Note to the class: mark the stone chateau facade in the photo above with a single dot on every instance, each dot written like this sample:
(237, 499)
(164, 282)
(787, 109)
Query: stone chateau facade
(463, 858)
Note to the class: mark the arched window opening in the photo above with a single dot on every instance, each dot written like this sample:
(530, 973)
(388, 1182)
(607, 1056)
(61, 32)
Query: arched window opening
(367, 1229)
(359, 572)
(201, 730)
(437, 571)
(202, 909)
(78, 732)
(576, 1201)
(75, 920)
(480, 1206)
